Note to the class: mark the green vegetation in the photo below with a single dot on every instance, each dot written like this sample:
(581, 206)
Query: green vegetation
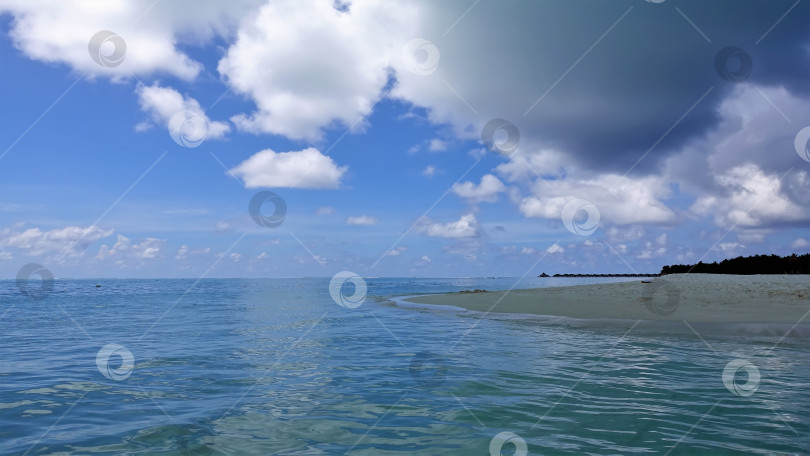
(758, 264)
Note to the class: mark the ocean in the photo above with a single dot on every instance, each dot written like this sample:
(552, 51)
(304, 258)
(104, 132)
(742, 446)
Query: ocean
(277, 366)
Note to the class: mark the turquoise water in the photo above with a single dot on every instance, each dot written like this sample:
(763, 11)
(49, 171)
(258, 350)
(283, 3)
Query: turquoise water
(275, 366)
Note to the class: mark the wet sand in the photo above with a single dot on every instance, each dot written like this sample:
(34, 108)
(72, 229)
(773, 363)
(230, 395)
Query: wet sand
(700, 298)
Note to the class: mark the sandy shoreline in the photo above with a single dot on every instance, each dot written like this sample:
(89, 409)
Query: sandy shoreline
(700, 298)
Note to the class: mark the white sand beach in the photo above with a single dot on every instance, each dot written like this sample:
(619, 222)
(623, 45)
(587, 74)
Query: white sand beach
(700, 298)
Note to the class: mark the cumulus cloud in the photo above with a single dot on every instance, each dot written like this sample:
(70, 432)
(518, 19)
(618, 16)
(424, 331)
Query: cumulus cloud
(162, 103)
(800, 243)
(751, 198)
(487, 191)
(325, 210)
(59, 32)
(437, 145)
(70, 240)
(339, 78)
(620, 200)
(396, 251)
(465, 227)
(430, 171)
(184, 251)
(125, 253)
(307, 168)
(363, 220)
(555, 248)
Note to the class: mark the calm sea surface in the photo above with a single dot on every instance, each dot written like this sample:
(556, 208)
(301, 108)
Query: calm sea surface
(275, 366)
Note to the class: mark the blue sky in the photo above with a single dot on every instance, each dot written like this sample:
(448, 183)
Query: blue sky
(629, 154)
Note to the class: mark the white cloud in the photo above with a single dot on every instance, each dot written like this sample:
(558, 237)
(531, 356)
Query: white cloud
(745, 171)
(466, 227)
(430, 171)
(125, 253)
(69, 241)
(751, 198)
(396, 251)
(325, 210)
(487, 191)
(730, 247)
(337, 80)
(59, 32)
(307, 168)
(223, 226)
(542, 163)
(437, 145)
(555, 248)
(162, 103)
(620, 200)
(800, 243)
(184, 251)
(364, 220)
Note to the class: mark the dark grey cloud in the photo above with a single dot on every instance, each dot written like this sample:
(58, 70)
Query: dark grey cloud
(609, 108)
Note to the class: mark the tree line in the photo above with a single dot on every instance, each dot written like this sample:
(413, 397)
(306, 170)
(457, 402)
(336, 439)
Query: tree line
(757, 264)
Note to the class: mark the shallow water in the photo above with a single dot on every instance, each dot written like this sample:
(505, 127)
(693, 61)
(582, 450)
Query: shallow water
(276, 367)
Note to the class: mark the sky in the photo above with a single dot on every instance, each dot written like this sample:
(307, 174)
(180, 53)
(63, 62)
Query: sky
(291, 138)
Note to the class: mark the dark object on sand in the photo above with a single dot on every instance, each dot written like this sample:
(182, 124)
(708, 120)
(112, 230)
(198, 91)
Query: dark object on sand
(646, 281)
(473, 291)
